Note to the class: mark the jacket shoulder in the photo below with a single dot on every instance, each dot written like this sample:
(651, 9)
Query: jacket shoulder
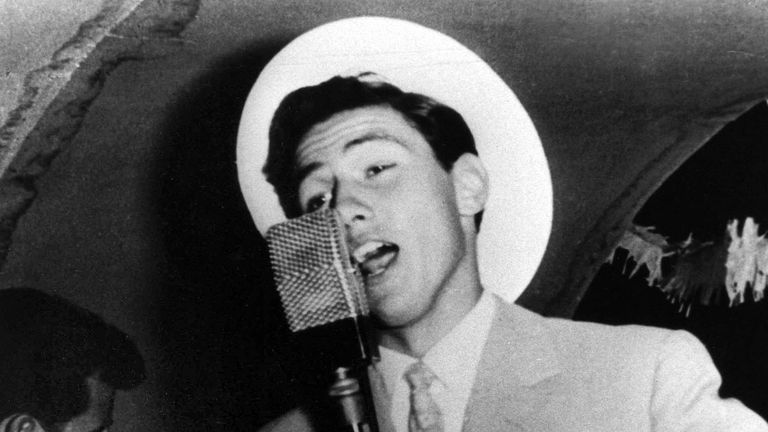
(599, 343)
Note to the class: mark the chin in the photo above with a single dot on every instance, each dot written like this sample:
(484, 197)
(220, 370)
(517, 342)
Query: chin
(382, 292)
(393, 313)
(389, 323)
(387, 318)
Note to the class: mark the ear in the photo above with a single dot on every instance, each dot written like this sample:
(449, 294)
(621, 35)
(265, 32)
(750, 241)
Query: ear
(470, 181)
(20, 423)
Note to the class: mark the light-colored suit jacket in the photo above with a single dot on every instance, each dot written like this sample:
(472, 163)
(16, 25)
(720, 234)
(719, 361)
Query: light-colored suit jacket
(546, 374)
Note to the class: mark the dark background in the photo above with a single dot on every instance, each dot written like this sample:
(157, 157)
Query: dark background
(726, 179)
(131, 205)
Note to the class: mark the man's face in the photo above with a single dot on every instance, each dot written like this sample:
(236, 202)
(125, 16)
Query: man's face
(98, 416)
(399, 206)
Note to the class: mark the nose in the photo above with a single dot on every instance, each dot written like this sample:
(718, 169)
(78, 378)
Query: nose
(351, 203)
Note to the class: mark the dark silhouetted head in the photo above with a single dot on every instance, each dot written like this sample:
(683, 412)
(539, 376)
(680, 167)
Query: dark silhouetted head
(56, 358)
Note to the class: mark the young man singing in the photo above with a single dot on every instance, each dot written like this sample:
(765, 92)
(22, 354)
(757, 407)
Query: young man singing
(402, 170)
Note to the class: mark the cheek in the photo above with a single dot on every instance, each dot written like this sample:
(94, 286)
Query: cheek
(411, 206)
(427, 209)
(421, 202)
(437, 196)
(429, 184)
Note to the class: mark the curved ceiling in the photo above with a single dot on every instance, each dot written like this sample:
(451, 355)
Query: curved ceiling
(621, 92)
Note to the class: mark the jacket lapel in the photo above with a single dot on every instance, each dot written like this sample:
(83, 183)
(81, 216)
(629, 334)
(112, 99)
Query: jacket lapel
(516, 375)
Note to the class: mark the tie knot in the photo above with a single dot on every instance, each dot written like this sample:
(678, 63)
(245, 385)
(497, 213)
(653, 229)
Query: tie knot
(419, 376)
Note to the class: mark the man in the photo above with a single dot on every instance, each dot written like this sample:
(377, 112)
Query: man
(402, 171)
(365, 153)
(60, 365)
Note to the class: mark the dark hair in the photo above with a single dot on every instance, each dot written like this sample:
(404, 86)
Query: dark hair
(440, 125)
(48, 347)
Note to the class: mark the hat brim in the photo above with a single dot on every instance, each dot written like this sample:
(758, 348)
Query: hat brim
(518, 215)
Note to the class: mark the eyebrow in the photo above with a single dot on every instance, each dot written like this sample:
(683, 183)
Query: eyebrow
(305, 171)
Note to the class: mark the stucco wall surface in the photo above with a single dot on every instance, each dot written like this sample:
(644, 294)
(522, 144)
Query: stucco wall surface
(124, 195)
(31, 31)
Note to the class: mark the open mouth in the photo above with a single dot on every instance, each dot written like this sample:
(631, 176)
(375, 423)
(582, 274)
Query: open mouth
(374, 257)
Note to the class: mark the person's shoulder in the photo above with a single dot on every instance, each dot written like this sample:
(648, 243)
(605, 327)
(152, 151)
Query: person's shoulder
(628, 354)
(587, 330)
(294, 420)
(621, 333)
(629, 342)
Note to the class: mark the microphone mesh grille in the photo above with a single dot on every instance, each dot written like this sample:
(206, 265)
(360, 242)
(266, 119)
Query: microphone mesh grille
(313, 271)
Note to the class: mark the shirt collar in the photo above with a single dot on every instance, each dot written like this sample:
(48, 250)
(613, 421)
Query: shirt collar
(455, 357)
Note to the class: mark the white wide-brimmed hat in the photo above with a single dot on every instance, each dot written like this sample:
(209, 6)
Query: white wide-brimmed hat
(518, 216)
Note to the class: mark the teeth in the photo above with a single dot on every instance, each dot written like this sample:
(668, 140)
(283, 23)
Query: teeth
(374, 257)
(377, 271)
(361, 253)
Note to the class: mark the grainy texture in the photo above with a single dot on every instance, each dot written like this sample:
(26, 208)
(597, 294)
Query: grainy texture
(57, 96)
(139, 216)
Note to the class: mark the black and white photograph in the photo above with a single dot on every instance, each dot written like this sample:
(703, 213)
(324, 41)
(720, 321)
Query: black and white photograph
(383, 216)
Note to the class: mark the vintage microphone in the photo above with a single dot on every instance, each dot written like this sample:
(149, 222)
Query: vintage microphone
(323, 297)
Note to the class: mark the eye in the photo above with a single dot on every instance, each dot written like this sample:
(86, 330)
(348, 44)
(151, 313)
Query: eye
(317, 202)
(376, 169)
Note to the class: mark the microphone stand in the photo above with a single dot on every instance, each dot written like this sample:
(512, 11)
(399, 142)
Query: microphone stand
(352, 400)
(323, 298)
(351, 390)
(333, 361)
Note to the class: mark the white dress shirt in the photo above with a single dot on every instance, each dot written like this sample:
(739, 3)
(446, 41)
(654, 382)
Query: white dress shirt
(453, 360)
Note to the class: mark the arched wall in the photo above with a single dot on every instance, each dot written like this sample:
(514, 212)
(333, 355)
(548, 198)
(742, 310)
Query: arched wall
(122, 195)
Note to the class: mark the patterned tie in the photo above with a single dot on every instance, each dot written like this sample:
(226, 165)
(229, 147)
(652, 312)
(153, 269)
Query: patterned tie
(425, 415)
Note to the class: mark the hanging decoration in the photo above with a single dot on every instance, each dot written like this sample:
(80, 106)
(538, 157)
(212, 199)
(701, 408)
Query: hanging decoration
(694, 272)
